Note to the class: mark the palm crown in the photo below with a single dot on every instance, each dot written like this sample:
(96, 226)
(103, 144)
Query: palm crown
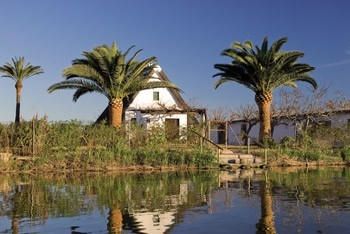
(19, 70)
(263, 69)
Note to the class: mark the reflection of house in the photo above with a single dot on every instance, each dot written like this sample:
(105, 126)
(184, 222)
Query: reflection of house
(233, 132)
(158, 220)
(154, 222)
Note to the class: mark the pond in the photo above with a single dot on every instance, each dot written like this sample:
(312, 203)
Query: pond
(243, 201)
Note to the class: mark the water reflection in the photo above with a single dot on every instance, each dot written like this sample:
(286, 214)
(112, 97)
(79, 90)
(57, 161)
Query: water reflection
(115, 221)
(266, 223)
(245, 201)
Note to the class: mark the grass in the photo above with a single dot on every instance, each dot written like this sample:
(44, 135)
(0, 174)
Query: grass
(73, 145)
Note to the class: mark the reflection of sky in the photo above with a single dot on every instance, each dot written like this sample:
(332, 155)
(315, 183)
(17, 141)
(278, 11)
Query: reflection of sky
(94, 222)
(239, 218)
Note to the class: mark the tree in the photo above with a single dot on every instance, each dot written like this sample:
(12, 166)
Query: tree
(218, 115)
(19, 70)
(106, 70)
(263, 70)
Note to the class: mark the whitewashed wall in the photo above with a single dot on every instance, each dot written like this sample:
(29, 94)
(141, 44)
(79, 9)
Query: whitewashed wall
(280, 131)
(144, 99)
(150, 120)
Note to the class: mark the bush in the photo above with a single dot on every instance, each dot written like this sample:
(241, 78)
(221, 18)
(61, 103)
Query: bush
(70, 145)
(345, 154)
(288, 142)
(305, 155)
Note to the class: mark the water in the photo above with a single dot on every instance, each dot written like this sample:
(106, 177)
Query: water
(255, 201)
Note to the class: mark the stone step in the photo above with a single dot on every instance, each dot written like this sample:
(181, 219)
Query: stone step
(244, 159)
(226, 152)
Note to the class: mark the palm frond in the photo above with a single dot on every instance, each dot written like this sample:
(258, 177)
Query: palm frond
(105, 69)
(19, 70)
(263, 68)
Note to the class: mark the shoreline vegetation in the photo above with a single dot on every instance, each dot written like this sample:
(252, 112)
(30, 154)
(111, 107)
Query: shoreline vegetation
(41, 146)
(58, 146)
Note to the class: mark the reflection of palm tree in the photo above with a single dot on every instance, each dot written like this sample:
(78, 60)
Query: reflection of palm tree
(266, 223)
(115, 221)
(15, 224)
(15, 220)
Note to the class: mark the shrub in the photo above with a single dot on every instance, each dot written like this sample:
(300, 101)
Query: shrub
(288, 142)
(305, 155)
(345, 154)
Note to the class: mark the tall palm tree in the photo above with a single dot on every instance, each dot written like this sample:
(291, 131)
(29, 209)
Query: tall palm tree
(263, 69)
(107, 70)
(19, 70)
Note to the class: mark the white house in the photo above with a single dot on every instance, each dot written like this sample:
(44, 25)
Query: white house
(161, 107)
(232, 132)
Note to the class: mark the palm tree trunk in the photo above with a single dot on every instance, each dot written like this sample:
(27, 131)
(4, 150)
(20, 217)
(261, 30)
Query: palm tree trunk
(115, 112)
(18, 87)
(264, 101)
(266, 224)
(15, 218)
(115, 221)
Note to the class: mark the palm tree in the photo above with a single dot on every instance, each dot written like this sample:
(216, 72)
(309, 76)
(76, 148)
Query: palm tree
(107, 70)
(263, 70)
(18, 70)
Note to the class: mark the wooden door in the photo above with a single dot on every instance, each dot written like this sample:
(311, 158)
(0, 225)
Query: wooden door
(172, 129)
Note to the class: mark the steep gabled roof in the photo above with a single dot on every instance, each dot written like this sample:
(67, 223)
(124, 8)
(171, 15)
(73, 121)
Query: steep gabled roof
(175, 93)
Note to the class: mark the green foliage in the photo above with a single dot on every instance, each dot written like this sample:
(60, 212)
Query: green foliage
(72, 145)
(288, 142)
(345, 154)
(310, 155)
(19, 70)
(108, 71)
(262, 69)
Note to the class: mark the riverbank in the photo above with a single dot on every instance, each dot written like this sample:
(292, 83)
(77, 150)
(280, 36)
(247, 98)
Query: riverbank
(38, 166)
(42, 146)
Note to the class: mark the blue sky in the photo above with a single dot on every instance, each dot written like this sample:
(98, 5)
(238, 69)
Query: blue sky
(186, 36)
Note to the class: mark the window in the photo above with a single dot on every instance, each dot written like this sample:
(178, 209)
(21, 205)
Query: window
(155, 96)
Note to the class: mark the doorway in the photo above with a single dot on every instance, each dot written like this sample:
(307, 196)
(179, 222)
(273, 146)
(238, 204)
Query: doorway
(172, 129)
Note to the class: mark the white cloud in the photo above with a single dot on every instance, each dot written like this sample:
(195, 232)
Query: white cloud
(335, 64)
